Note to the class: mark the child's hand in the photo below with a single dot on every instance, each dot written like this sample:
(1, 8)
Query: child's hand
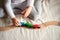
(26, 12)
(15, 22)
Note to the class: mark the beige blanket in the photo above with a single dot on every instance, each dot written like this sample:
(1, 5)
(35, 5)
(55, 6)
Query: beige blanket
(50, 12)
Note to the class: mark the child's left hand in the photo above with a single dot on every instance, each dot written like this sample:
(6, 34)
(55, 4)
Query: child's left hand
(26, 12)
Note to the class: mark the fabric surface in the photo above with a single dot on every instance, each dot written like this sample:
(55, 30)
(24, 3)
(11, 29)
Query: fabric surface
(48, 33)
(51, 11)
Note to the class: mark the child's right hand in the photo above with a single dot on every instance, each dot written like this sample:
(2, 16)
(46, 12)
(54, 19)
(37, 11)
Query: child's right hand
(26, 12)
(15, 22)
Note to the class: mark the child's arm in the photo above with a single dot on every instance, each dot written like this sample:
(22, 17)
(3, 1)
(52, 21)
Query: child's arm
(10, 12)
(9, 8)
(27, 11)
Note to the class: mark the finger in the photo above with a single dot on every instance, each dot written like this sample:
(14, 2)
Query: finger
(27, 12)
(18, 23)
(26, 15)
(23, 11)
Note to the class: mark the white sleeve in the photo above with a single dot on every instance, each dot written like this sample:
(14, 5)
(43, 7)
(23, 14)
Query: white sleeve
(9, 8)
(30, 2)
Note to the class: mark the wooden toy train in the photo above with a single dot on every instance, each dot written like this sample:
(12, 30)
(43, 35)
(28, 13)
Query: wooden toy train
(29, 25)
